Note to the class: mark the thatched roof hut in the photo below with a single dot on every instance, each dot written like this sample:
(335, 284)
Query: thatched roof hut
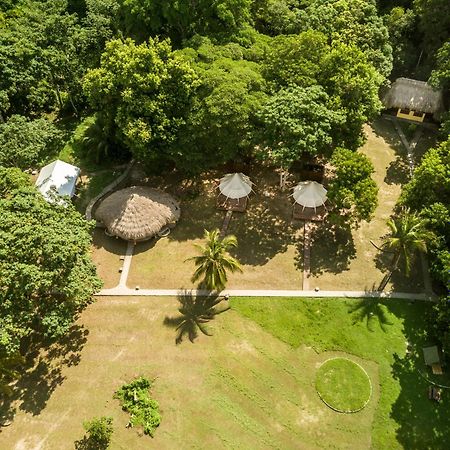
(414, 95)
(137, 213)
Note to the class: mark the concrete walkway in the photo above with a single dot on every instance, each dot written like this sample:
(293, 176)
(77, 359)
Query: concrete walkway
(306, 255)
(126, 266)
(124, 291)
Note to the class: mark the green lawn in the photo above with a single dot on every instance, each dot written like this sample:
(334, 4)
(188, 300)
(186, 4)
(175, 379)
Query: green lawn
(245, 387)
(343, 385)
(376, 331)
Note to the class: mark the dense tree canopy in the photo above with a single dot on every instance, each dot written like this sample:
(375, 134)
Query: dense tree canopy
(46, 274)
(352, 191)
(352, 22)
(28, 143)
(297, 121)
(182, 19)
(145, 91)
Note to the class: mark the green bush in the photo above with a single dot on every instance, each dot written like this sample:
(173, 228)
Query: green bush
(143, 409)
(99, 432)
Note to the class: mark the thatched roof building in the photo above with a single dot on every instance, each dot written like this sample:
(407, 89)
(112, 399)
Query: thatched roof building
(137, 213)
(414, 95)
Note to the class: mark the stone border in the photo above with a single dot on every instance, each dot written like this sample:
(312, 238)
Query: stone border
(107, 189)
(364, 371)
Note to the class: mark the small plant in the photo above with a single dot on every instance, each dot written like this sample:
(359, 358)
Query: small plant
(136, 400)
(98, 434)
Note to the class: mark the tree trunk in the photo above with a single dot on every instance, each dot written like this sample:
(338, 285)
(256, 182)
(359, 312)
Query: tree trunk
(395, 260)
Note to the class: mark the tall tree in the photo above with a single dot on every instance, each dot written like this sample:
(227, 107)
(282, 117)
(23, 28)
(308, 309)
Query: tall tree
(145, 91)
(297, 121)
(46, 273)
(353, 84)
(220, 123)
(352, 22)
(12, 179)
(182, 19)
(351, 190)
(296, 59)
(28, 143)
(408, 234)
(214, 261)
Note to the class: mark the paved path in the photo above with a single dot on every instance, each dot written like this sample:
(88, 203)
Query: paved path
(126, 266)
(124, 291)
(306, 255)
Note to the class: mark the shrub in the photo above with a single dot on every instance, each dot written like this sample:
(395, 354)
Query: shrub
(99, 432)
(143, 409)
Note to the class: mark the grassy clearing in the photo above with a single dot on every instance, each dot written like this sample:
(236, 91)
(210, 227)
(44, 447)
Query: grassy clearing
(239, 388)
(270, 242)
(376, 331)
(343, 385)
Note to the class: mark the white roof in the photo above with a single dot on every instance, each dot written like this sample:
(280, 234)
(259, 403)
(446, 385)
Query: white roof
(235, 185)
(310, 194)
(61, 176)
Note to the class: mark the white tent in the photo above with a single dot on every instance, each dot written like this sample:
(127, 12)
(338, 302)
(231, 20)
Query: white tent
(310, 194)
(58, 175)
(235, 185)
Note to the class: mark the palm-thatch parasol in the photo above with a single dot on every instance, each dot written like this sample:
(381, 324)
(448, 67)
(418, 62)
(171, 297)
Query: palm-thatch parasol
(310, 194)
(137, 213)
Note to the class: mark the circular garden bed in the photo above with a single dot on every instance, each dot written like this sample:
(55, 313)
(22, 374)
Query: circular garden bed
(343, 385)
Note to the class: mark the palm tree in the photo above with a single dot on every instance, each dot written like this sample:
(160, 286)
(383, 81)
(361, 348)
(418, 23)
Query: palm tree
(408, 235)
(214, 261)
(98, 140)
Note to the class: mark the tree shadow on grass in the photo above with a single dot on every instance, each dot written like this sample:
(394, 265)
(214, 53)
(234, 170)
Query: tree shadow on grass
(397, 171)
(42, 373)
(399, 281)
(423, 423)
(332, 248)
(195, 313)
(263, 230)
(372, 311)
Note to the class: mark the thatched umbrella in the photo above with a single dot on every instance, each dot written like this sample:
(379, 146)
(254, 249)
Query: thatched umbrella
(137, 213)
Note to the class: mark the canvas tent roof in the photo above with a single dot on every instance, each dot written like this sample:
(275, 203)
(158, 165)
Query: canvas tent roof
(431, 355)
(310, 194)
(137, 213)
(416, 95)
(235, 185)
(61, 176)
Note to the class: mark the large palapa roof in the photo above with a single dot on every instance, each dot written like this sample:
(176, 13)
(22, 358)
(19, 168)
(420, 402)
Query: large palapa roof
(235, 185)
(57, 175)
(137, 213)
(416, 95)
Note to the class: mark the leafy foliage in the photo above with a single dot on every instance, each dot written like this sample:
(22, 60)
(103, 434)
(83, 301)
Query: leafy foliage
(353, 22)
(220, 123)
(297, 121)
(11, 179)
(46, 273)
(99, 431)
(352, 190)
(28, 143)
(296, 59)
(408, 234)
(440, 77)
(143, 409)
(214, 261)
(182, 19)
(145, 91)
